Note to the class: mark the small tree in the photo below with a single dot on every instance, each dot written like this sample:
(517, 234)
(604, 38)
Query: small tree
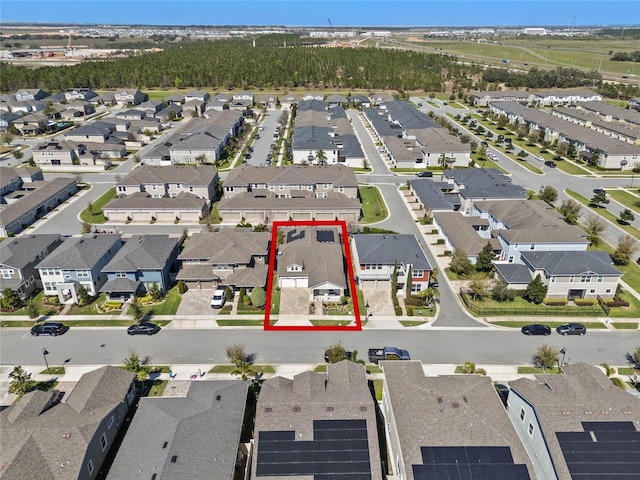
(228, 294)
(625, 249)
(155, 292)
(502, 293)
(470, 368)
(599, 199)
(428, 295)
(536, 291)
(10, 299)
(570, 209)
(33, 309)
(83, 295)
(182, 287)
(21, 381)
(594, 226)
(336, 353)
(548, 194)
(133, 364)
(634, 357)
(473, 145)
(7, 137)
(502, 122)
(258, 297)
(236, 352)
(460, 263)
(243, 369)
(594, 161)
(135, 310)
(545, 357)
(484, 260)
(86, 227)
(478, 287)
(394, 279)
(626, 217)
(409, 284)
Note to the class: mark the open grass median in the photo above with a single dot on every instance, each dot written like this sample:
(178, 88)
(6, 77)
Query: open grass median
(230, 368)
(373, 207)
(95, 213)
(627, 199)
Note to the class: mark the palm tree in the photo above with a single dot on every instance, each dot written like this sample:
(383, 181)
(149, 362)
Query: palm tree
(321, 157)
(470, 367)
(244, 369)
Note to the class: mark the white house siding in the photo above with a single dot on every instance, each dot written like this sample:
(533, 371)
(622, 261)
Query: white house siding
(511, 252)
(561, 286)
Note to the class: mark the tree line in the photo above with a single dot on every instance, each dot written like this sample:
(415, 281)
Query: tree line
(236, 64)
(559, 78)
(626, 57)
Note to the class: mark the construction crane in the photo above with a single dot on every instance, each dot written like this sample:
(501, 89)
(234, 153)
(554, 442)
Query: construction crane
(333, 32)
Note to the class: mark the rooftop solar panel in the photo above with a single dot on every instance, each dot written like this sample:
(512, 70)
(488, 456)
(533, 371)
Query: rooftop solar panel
(608, 426)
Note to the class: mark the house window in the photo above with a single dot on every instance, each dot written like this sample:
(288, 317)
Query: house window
(572, 278)
(530, 429)
(522, 414)
(552, 279)
(6, 273)
(90, 467)
(121, 275)
(82, 273)
(532, 246)
(600, 278)
(585, 278)
(281, 187)
(608, 290)
(416, 288)
(110, 424)
(417, 274)
(593, 290)
(103, 441)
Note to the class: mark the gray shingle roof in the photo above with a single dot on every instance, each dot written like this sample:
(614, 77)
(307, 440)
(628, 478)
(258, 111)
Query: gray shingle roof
(461, 233)
(387, 249)
(141, 200)
(461, 410)
(572, 263)
(121, 285)
(513, 272)
(18, 252)
(228, 246)
(142, 252)
(485, 183)
(37, 442)
(202, 430)
(339, 175)
(81, 253)
(186, 174)
(432, 196)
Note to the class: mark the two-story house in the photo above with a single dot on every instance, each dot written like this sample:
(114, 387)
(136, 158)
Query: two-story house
(57, 154)
(79, 94)
(130, 96)
(142, 261)
(18, 259)
(297, 192)
(43, 437)
(25, 94)
(78, 262)
(376, 257)
(231, 257)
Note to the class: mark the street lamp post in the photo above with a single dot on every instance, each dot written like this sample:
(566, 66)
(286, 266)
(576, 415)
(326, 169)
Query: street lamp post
(45, 352)
(563, 351)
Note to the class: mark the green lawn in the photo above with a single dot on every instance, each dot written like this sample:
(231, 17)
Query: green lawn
(626, 371)
(487, 163)
(53, 371)
(320, 369)
(625, 325)
(91, 308)
(536, 370)
(330, 323)
(157, 389)
(631, 271)
(378, 386)
(412, 323)
(96, 215)
(629, 200)
(169, 306)
(362, 305)
(240, 323)
(230, 368)
(373, 207)
(630, 229)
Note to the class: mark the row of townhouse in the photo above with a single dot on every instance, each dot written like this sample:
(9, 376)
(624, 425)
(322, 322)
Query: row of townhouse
(329, 425)
(540, 97)
(413, 140)
(613, 153)
(629, 133)
(25, 197)
(322, 127)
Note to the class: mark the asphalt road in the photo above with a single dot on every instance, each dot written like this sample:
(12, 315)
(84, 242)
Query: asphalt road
(95, 346)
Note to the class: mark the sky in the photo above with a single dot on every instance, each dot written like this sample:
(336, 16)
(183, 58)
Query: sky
(357, 13)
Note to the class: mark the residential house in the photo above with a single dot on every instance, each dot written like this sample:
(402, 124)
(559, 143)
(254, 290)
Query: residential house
(170, 181)
(25, 94)
(243, 95)
(79, 94)
(377, 256)
(171, 112)
(461, 431)
(611, 113)
(31, 201)
(43, 437)
(143, 207)
(18, 258)
(440, 148)
(483, 99)
(427, 196)
(132, 114)
(317, 426)
(527, 226)
(196, 434)
(236, 258)
(313, 96)
(57, 154)
(151, 107)
(7, 120)
(629, 133)
(97, 132)
(565, 96)
(312, 257)
(31, 123)
(468, 233)
(77, 109)
(142, 261)
(26, 106)
(360, 101)
(576, 423)
(288, 100)
(567, 275)
(12, 179)
(335, 100)
(78, 262)
(175, 99)
(267, 100)
(264, 194)
(130, 96)
(378, 98)
(198, 95)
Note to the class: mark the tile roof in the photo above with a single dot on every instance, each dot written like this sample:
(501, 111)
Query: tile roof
(387, 249)
(201, 430)
(461, 410)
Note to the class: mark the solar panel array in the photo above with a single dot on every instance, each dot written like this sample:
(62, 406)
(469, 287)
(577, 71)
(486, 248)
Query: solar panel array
(605, 450)
(468, 463)
(339, 451)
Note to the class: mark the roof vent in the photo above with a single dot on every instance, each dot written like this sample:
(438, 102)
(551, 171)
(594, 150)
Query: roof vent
(455, 405)
(218, 397)
(296, 409)
(174, 459)
(66, 435)
(439, 399)
(164, 445)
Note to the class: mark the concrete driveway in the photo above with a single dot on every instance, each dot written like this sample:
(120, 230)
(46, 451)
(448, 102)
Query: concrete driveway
(196, 302)
(379, 300)
(294, 301)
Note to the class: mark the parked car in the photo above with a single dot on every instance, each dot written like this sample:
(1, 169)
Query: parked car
(247, 156)
(250, 150)
(599, 191)
(144, 328)
(218, 299)
(52, 329)
(493, 157)
(387, 353)
(503, 392)
(425, 174)
(550, 164)
(483, 143)
(419, 104)
(572, 329)
(536, 329)
(347, 355)
(257, 136)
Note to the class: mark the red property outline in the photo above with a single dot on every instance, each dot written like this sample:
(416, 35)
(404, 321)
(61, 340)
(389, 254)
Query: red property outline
(352, 283)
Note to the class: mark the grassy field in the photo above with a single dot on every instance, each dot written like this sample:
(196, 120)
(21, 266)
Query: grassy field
(629, 200)
(96, 215)
(625, 325)
(373, 207)
(630, 229)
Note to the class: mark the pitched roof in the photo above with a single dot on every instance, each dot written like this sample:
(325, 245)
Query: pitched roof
(513, 272)
(572, 263)
(338, 175)
(18, 252)
(432, 196)
(461, 233)
(387, 249)
(142, 200)
(461, 410)
(228, 246)
(201, 430)
(39, 439)
(485, 183)
(81, 253)
(142, 252)
(186, 174)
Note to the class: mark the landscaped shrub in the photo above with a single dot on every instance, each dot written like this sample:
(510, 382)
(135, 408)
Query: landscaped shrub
(246, 300)
(181, 287)
(447, 253)
(556, 303)
(396, 302)
(258, 297)
(440, 241)
(410, 311)
(617, 303)
(416, 301)
(398, 311)
(584, 302)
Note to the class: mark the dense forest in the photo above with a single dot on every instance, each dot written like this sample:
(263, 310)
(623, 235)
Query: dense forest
(236, 64)
(534, 78)
(626, 57)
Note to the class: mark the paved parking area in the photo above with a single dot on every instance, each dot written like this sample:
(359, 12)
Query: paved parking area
(196, 302)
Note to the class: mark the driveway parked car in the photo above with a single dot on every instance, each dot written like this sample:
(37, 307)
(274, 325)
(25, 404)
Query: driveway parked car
(536, 329)
(144, 328)
(52, 329)
(572, 329)
(218, 299)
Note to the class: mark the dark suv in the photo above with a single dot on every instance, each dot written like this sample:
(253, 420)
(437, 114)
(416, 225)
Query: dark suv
(572, 329)
(144, 328)
(52, 329)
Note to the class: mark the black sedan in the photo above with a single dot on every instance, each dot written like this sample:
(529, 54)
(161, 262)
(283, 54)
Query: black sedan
(143, 329)
(52, 329)
(536, 329)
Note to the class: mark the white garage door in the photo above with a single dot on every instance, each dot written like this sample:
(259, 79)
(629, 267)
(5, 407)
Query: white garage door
(301, 216)
(140, 216)
(293, 282)
(325, 216)
(254, 218)
(166, 217)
